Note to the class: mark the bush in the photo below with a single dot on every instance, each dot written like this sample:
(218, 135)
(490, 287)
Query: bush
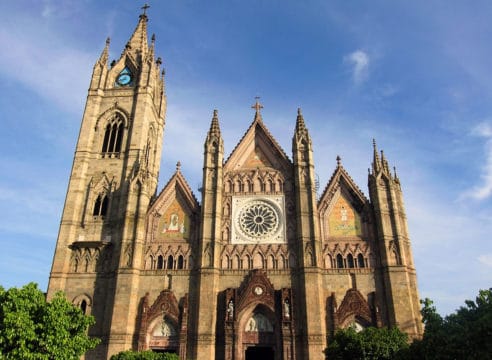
(144, 355)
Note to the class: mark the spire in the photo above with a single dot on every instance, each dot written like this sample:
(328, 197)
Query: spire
(376, 163)
(384, 163)
(300, 125)
(103, 59)
(138, 41)
(214, 126)
(257, 106)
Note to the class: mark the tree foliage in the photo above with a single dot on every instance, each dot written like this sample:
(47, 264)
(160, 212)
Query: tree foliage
(32, 328)
(143, 355)
(465, 334)
(368, 344)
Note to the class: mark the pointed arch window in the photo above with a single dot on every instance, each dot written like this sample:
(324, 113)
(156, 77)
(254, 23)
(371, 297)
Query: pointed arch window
(83, 307)
(360, 261)
(170, 262)
(160, 262)
(350, 261)
(340, 261)
(101, 206)
(180, 262)
(113, 136)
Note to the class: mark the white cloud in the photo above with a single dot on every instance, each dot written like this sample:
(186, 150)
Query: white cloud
(484, 190)
(359, 60)
(486, 259)
(39, 59)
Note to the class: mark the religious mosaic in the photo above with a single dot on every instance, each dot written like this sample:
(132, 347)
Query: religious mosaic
(174, 223)
(344, 220)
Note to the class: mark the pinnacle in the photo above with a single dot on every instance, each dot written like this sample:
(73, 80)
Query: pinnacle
(339, 161)
(103, 59)
(376, 164)
(214, 126)
(300, 125)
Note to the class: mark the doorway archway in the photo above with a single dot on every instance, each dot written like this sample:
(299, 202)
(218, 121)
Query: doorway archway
(259, 352)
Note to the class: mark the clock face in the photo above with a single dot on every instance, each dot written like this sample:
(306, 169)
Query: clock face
(124, 79)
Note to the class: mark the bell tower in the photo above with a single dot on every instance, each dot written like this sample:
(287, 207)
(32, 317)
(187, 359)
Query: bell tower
(396, 259)
(113, 179)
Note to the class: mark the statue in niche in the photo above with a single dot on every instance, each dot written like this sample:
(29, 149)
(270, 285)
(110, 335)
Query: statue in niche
(259, 323)
(287, 308)
(230, 310)
(164, 328)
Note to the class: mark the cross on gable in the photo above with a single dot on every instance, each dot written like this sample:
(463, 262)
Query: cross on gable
(257, 106)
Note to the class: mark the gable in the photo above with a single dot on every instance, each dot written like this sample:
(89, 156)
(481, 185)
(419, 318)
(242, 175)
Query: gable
(341, 206)
(173, 216)
(256, 159)
(257, 149)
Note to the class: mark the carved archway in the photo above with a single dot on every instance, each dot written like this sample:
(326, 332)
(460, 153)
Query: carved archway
(258, 317)
(163, 324)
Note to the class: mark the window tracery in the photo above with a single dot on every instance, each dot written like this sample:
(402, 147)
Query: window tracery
(113, 137)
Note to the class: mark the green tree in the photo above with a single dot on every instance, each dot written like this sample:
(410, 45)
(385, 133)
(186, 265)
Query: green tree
(32, 328)
(368, 344)
(465, 334)
(143, 355)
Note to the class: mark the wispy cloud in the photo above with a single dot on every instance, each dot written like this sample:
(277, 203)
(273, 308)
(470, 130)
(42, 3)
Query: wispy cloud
(38, 60)
(359, 61)
(484, 190)
(486, 259)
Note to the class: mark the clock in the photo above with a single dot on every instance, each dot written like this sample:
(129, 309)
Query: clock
(124, 79)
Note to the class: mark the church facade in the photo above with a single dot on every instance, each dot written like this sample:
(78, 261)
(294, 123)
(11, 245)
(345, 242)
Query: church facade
(259, 267)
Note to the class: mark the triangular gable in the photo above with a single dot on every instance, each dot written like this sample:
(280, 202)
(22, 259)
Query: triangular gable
(257, 148)
(341, 205)
(174, 213)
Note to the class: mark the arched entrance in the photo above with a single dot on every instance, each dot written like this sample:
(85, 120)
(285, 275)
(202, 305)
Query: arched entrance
(259, 320)
(259, 352)
(259, 334)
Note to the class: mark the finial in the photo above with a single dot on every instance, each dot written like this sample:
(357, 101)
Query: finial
(163, 72)
(214, 126)
(339, 160)
(108, 40)
(394, 171)
(257, 106)
(374, 143)
(299, 111)
(159, 61)
(153, 38)
(178, 166)
(144, 8)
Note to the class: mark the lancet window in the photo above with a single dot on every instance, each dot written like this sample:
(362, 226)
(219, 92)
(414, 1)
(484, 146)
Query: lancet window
(101, 205)
(113, 137)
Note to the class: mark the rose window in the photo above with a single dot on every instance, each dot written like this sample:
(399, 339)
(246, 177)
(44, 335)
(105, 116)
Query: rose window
(258, 219)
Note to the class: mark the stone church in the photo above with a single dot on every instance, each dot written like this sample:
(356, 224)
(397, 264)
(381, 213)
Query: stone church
(257, 266)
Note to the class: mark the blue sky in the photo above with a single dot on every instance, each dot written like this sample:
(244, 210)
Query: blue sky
(415, 76)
